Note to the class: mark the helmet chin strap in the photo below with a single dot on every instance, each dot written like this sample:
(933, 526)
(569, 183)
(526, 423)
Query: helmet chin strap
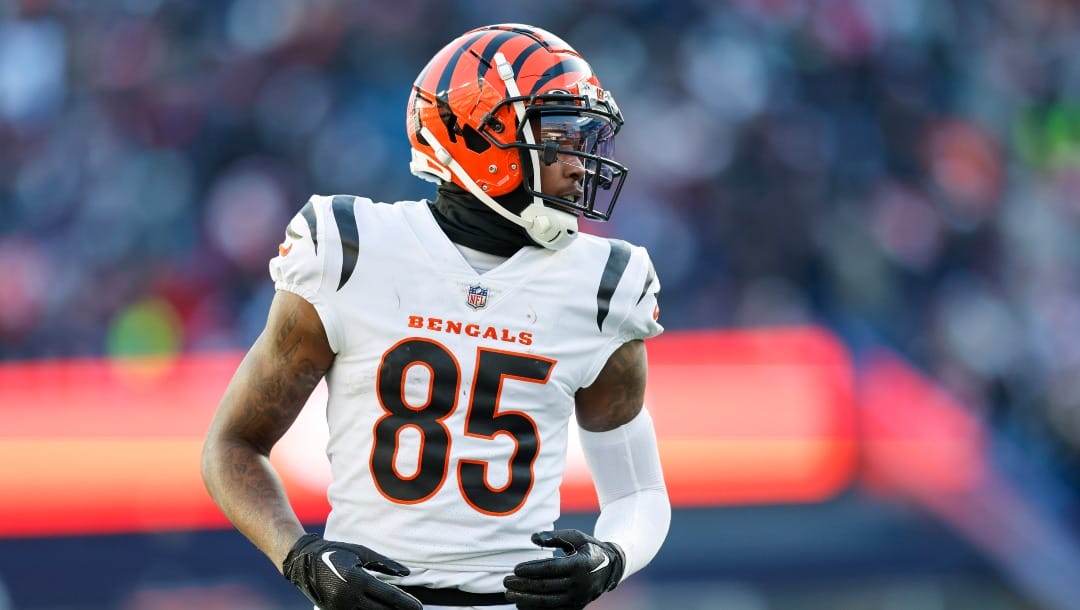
(551, 228)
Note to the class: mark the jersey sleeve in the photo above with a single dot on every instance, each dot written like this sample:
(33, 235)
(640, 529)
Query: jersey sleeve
(643, 312)
(626, 301)
(302, 260)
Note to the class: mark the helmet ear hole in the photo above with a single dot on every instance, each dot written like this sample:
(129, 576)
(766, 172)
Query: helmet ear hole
(473, 140)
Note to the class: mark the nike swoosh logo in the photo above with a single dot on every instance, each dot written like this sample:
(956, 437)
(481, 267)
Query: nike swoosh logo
(282, 250)
(603, 564)
(326, 559)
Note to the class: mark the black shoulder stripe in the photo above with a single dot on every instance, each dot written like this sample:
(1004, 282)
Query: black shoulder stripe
(345, 217)
(648, 282)
(312, 223)
(609, 280)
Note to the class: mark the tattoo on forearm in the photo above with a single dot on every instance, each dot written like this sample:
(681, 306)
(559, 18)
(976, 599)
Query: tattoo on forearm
(260, 509)
(277, 383)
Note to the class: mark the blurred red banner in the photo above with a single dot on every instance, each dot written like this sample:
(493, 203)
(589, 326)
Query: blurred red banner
(109, 446)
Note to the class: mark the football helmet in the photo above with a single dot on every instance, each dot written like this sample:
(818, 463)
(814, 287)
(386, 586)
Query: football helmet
(498, 101)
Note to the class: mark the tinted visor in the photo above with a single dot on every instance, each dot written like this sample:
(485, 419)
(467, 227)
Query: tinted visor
(581, 134)
(587, 139)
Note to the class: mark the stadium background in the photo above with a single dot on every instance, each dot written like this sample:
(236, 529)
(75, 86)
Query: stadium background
(864, 214)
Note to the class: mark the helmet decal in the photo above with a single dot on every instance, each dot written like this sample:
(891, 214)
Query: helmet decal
(566, 66)
(487, 56)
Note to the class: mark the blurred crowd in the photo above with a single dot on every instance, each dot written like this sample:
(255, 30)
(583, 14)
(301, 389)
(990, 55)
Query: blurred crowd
(906, 172)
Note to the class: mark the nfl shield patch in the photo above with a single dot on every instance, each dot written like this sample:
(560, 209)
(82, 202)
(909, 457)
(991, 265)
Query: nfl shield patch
(477, 297)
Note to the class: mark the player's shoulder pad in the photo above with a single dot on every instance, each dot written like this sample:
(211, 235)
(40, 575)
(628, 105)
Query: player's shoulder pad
(626, 297)
(320, 247)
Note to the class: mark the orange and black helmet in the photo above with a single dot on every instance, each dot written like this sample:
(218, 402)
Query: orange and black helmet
(500, 99)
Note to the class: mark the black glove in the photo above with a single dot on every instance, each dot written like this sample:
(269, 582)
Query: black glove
(589, 568)
(331, 574)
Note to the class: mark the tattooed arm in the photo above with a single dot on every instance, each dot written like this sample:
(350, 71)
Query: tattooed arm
(618, 393)
(263, 399)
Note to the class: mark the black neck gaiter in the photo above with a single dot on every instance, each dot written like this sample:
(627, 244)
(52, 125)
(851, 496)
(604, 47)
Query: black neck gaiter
(467, 221)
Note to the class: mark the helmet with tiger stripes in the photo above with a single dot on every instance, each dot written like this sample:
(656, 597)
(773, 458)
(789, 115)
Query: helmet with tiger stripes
(498, 101)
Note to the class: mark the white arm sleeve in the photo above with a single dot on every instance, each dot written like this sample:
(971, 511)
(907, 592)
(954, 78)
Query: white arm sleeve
(634, 509)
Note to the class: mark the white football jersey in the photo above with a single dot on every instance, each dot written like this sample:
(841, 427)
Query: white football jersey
(451, 391)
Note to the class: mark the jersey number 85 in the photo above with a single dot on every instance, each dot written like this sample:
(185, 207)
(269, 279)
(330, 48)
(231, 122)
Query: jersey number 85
(483, 420)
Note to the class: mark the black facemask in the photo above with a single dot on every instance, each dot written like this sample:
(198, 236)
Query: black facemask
(467, 221)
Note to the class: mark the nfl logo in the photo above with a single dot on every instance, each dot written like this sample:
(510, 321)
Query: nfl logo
(477, 296)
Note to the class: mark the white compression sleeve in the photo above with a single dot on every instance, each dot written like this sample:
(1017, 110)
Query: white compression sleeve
(634, 509)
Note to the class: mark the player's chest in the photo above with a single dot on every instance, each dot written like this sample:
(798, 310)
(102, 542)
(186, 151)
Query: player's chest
(475, 325)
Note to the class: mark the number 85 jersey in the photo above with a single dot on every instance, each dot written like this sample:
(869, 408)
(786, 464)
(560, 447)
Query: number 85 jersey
(451, 391)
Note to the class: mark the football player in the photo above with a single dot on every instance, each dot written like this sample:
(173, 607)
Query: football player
(457, 338)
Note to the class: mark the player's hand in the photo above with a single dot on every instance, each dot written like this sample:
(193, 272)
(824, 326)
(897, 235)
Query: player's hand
(333, 576)
(589, 568)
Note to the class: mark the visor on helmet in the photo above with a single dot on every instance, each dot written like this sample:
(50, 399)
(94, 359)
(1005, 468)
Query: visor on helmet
(569, 133)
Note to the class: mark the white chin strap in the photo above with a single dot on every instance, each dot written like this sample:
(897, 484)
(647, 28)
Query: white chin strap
(551, 228)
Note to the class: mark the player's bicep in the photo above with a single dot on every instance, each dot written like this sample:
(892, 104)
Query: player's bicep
(276, 376)
(618, 393)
